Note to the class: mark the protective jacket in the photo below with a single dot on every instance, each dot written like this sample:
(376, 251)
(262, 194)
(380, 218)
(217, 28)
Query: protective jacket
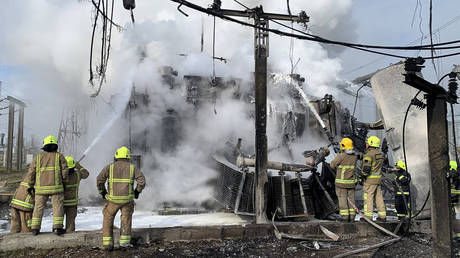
(372, 166)
(403, 178)
(120, 176)
(22, 200)
(72, 183)
(344, 164)
(47, 173)
(455, 186)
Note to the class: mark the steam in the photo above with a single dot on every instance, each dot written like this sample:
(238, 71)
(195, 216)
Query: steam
(52, 45)
(306, 100)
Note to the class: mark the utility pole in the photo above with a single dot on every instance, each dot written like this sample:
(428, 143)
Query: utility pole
(261, 52)
(9, 144)
(437, 99)
(20, 137)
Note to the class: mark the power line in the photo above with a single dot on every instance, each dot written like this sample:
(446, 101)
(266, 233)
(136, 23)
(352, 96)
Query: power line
(358, 48)
(423, 37)
(319, 39)
(431, 39)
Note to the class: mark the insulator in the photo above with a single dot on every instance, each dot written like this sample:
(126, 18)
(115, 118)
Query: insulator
(418, 103)
(414, 65)
(129, 4)
(453, 87)
(216, 5)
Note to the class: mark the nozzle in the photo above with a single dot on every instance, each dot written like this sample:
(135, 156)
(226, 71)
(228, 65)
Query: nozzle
(82, 157)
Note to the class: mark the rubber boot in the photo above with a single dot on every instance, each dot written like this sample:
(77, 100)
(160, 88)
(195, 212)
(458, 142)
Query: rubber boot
(35, 232)
(381, 219)
(127, 245)
(59, 231)
(108, 248)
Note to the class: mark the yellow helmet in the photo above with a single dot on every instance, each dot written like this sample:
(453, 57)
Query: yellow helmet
(401, 164)
(123, 153)
(373, 141)
(70, 162)
(346, 144)
(453, 165)
(49, 140)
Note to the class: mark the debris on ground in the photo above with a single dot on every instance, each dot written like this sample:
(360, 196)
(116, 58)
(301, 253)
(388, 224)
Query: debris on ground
(260, 247)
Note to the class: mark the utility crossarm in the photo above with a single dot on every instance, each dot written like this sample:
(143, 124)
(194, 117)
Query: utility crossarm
(16, 101)
(301, 18)
(419, 83)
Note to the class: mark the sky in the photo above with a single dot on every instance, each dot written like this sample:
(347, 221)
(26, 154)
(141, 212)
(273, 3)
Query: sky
(390, 22)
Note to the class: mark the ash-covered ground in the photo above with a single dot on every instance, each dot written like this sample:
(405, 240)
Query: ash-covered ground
(414, 245)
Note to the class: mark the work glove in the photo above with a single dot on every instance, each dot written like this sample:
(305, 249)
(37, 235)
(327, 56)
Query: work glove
(451, 174)
(103, 193)
(136, 194)
(31, 191)
(361, 179)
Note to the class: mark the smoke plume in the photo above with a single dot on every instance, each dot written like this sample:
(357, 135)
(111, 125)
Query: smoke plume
(50, 41)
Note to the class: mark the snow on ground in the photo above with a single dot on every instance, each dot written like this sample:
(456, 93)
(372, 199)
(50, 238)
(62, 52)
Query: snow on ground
(91, 219)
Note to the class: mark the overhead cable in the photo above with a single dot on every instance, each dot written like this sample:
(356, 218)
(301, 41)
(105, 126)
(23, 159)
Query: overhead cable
(317, 38)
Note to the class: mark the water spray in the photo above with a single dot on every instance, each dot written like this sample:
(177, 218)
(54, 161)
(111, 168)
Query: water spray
(334, 144)
(99, 136)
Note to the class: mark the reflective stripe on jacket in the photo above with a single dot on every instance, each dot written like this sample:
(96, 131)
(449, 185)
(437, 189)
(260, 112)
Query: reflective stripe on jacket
(72, 183)
(22, 200)
(121, 196)
(120, 176)
(47, 173)
(402, 178)
(344, 164)
(373, 161)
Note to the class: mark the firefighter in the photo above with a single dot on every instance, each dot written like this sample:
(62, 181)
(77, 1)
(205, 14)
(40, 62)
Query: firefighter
(345, 181)
(120, 176)
(45, 178)
(22, 206)
(454, 195)
(402, 179)
(371, 174)
(71, 184)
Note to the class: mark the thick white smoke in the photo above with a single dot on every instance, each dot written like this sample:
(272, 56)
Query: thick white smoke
(50, 40)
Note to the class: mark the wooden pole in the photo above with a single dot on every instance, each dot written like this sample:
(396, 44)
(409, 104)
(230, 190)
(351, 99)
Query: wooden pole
(261, 180)
(439, 159)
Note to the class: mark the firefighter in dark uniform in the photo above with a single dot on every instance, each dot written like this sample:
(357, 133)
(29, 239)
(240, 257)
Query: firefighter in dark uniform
(454, 177)
(402, 180)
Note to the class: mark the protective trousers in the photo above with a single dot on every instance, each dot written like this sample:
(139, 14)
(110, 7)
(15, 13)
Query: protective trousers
(371, 192)
(456, 222)
(401, 207)
(20, 221)
(110, 211)
(57, 201)
(70, 215)
(346, 210)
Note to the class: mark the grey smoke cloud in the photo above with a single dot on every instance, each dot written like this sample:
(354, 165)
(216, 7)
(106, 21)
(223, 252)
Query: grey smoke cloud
(50, 39)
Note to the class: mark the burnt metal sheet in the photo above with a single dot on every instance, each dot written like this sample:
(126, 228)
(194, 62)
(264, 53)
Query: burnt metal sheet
(393, 97)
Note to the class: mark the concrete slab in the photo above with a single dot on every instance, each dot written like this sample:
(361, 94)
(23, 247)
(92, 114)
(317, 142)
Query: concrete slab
(11, 242)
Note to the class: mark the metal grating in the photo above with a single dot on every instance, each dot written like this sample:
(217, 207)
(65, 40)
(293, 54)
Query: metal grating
(228, 186)
(235, 188)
